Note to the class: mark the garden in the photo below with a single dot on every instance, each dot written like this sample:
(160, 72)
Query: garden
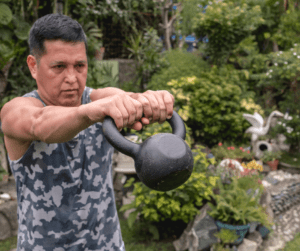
(235, 87)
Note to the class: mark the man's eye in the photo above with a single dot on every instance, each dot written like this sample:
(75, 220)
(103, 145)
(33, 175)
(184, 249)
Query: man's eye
(80, 65)
(59, 66)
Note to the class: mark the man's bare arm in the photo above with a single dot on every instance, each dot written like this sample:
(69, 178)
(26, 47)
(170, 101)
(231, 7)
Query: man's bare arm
(26, 119)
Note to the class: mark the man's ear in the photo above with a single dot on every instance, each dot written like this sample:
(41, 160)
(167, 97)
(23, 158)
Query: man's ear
(32, 65)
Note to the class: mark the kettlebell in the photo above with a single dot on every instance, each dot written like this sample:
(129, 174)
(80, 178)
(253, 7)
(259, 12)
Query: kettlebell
(163, 161)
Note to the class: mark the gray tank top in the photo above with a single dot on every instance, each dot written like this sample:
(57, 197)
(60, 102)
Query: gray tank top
(65, 193)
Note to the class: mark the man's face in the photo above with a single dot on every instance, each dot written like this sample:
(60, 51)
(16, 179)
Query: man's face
(61, 73)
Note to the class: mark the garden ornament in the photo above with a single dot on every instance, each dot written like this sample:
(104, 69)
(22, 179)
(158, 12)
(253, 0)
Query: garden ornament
(258, 129)
(261, 146)
(163, 161)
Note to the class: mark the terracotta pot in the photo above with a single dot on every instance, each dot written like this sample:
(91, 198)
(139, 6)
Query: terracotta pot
(273, 164)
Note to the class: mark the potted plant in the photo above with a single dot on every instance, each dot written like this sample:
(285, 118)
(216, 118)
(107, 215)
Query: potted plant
(272, 159)
(234, 208)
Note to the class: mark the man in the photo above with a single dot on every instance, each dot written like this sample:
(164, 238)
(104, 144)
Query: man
(57, 152)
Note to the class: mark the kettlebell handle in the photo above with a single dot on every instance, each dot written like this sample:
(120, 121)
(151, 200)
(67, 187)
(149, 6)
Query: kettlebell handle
(116, 139)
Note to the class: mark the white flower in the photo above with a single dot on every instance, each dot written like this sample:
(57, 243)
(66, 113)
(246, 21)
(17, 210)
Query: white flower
(267, 74)
(295, 45)
(298, 56)
(297, 116)
(279, 122)
(295, 53)
(270, 76)
(285, 62)
(284, 124)
(280, 52)
(271, 70)
(275, 64)
(297, 133)
(289, 129)
(292, 49)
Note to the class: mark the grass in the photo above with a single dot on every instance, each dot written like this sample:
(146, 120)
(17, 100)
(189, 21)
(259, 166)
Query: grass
(8, 243)
(290, 158)
(293, 245)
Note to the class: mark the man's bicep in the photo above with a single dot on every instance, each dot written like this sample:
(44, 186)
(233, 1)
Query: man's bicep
(17, 117)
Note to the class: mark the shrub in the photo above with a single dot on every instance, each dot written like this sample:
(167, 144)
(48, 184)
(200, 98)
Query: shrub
(212, 105)
(182, 203)
(288, 30)
(226, 23)
(178, 64)
(291, 130)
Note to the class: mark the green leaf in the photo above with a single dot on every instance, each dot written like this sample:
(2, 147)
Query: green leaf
(131, 218)
(5, 14)
(127, 206)
(22, 31)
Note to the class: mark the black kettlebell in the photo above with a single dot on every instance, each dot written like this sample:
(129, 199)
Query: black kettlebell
(163, 161)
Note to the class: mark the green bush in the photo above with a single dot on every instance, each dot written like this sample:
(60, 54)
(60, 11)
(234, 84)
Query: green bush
(178, 64)
(280, 77)
(226, 24)
(182, 203)
(212, 105)
(288, 30)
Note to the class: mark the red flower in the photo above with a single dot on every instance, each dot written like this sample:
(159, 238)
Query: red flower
(228, 148)
(241, 148)
(232, 148)
(220, 144)
(248, 151)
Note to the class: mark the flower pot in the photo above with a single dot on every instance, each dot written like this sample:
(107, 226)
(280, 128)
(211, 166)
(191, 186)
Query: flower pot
(273, 164)
(241, 230)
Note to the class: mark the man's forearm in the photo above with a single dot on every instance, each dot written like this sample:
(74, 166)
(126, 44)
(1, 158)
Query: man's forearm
(57, 124)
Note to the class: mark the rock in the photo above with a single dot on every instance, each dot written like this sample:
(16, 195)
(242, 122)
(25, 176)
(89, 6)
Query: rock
(273, 243)
(247, 245)
(5, 196)
(265, 201)
(5, 229)
(256, 237)
(199, 234)
(9, 211)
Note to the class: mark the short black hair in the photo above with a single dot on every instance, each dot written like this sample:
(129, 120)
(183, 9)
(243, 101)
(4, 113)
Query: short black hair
(54, 27)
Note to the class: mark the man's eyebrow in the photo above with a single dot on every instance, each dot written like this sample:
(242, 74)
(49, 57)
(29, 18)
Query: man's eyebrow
(62, 62)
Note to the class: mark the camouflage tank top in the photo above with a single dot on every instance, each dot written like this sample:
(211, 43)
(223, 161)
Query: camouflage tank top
(65, 193)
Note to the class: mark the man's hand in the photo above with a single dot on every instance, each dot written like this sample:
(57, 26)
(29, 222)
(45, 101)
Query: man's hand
(157, 106)
(127, 108)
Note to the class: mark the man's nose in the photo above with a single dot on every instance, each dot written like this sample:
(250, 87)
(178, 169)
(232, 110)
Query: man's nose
(71, 75)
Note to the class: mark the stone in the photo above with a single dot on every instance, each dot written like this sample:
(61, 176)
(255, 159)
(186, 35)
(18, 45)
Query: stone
(273, 243)
(9, 210)
(247, 245)
(256, 237)
(199, 234)
(5, 229)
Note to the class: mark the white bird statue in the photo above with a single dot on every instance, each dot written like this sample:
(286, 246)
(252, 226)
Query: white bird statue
(258, 129)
